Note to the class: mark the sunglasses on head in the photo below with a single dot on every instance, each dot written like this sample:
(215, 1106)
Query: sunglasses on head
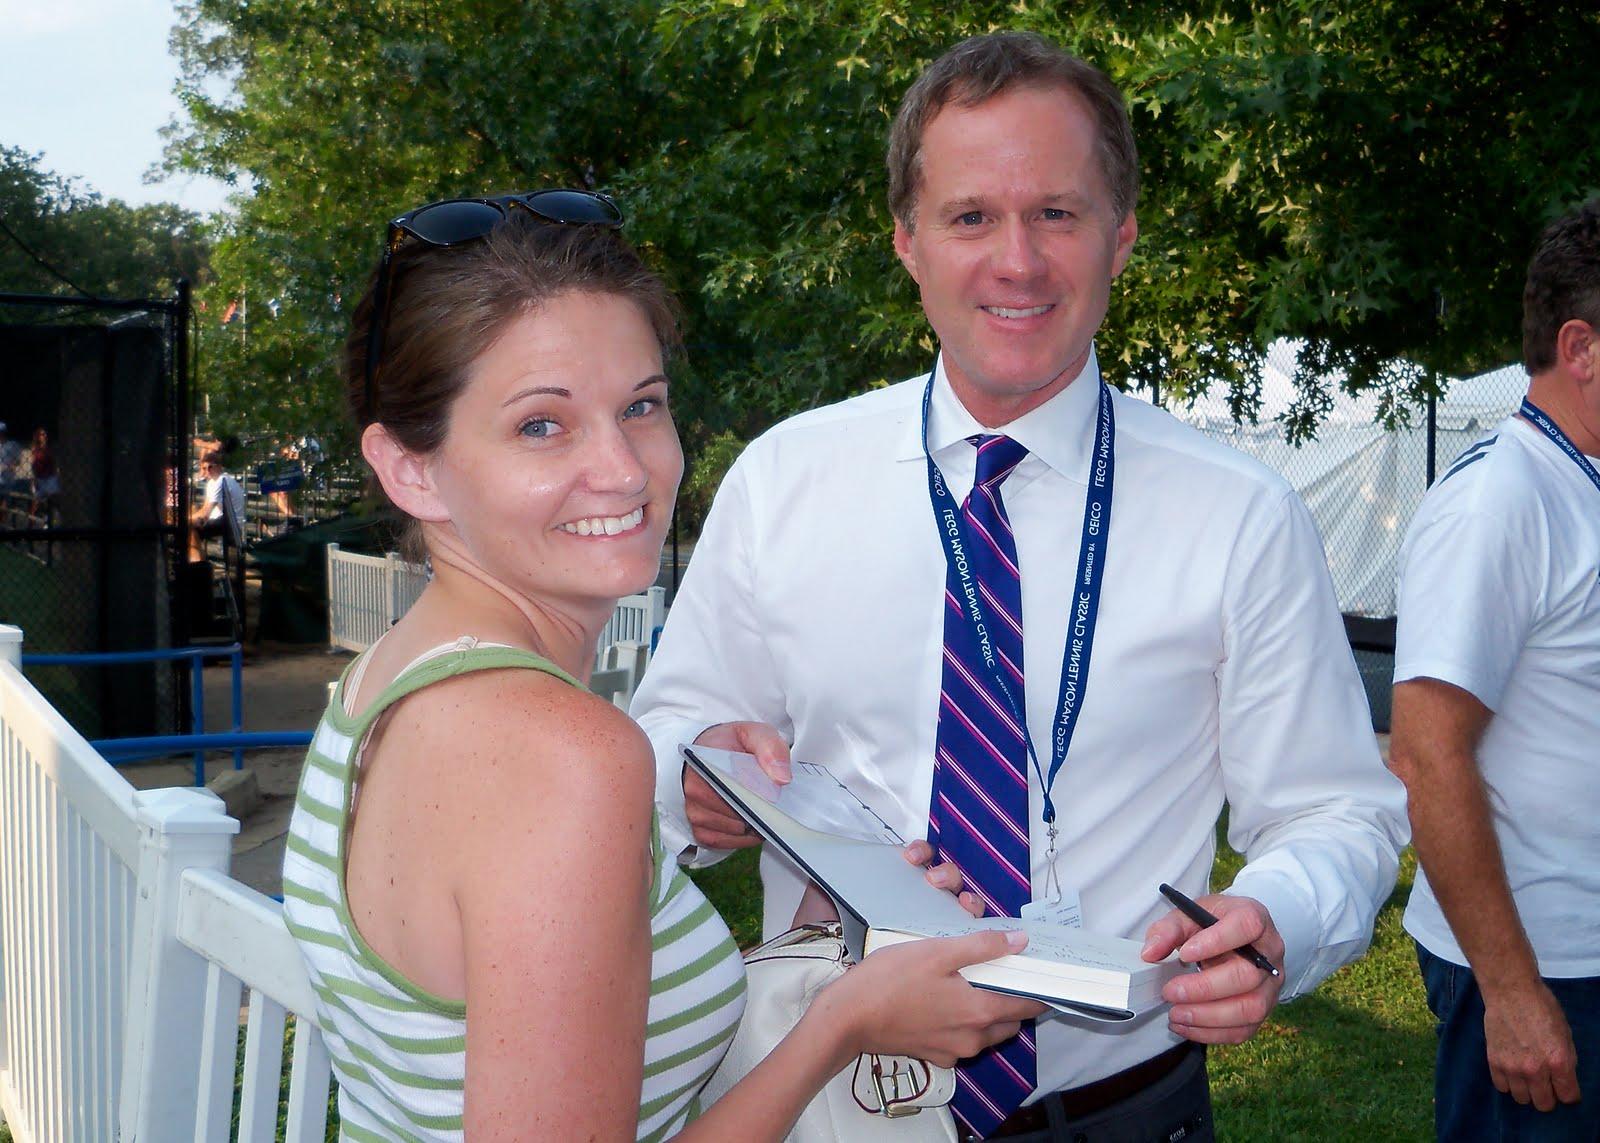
(456, 221)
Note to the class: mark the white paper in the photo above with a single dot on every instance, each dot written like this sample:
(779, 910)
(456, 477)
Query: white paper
(1082, 955)
(813, 797)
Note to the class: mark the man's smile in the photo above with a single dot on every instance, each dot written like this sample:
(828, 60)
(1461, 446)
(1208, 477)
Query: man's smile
(1011, 312)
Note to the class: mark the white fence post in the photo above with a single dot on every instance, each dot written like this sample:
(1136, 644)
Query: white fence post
(179, 829)
(331, 557)
(406, 583)
(367, 595)
(390, 574)
(10, 652)
(68, 845)
(634, 621)
(658, 615)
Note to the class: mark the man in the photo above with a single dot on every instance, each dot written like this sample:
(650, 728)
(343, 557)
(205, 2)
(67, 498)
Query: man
(832, 603)
(1497, 731)
(221, 510)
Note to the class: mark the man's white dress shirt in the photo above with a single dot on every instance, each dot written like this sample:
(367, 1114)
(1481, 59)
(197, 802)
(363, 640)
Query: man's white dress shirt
(1500, 596)
(1220, 670)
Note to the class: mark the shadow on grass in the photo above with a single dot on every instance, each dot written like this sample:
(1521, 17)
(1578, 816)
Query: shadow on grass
(1353, 1060)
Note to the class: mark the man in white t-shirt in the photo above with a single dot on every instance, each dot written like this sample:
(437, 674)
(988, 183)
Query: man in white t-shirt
(1497, 731)
(221, 511)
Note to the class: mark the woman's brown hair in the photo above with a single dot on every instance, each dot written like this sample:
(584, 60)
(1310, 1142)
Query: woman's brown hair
(449, 304)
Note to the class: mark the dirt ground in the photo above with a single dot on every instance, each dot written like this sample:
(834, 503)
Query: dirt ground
(285, 688)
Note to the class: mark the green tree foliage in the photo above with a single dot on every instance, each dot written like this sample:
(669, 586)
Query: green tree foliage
(104, 247)
(1368, 177)
(1370, 180)
(343, 116)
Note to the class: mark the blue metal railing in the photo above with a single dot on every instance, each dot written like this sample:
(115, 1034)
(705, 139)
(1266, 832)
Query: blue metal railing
(119, 751)
(197, 700)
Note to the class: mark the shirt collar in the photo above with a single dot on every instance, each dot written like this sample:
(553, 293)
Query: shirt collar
(1059, 432)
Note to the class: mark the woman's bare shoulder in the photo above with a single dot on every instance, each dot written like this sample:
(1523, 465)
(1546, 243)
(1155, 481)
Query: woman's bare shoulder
(521, 725)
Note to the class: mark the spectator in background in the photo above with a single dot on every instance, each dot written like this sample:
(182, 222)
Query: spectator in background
(281, 477)
(46, 482)
(1496, 721)
(221, 512)
(10, 458)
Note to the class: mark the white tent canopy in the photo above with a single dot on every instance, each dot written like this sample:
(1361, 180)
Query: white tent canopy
(1361, 481)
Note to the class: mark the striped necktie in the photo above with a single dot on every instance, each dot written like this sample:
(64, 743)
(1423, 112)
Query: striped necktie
(979, 812)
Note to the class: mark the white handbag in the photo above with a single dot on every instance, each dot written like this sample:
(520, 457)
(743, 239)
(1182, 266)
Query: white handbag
(897, 1098)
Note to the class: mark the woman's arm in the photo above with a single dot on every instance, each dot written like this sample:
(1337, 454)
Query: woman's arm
(905, 1000)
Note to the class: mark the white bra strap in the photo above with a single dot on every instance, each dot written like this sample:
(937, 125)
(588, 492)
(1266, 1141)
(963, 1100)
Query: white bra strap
(353, 684)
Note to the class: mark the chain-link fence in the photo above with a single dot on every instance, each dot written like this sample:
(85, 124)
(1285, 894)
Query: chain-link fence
(88, 539)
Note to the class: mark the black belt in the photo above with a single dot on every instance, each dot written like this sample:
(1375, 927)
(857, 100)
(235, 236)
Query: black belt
(1096, 1096)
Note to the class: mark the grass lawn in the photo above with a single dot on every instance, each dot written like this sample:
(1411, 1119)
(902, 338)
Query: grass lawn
(1354, 1060)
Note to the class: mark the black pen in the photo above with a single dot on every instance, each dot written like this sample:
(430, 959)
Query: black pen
(1205, 920)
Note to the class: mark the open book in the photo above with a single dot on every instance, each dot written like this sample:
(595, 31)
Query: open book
(847, 849)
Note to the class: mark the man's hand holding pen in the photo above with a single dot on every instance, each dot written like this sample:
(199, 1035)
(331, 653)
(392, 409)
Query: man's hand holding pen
(1226, 1001)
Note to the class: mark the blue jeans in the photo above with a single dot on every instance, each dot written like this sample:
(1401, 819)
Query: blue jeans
(1466, 1105)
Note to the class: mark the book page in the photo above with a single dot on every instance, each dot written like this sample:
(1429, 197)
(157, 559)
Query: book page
(813, 797)
(1053, 942)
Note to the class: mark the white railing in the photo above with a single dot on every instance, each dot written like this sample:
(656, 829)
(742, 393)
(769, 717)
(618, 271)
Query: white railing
(367, 595)
(406, 583)
(636, 620)
(123, 950)
(234, 938)
(69, 850)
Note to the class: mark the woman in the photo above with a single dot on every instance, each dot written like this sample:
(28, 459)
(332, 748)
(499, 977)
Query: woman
(474, 830)
(46, 480)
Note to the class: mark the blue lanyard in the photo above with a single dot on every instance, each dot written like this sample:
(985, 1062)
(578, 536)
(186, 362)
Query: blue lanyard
(1086, 602)
(1542, 421)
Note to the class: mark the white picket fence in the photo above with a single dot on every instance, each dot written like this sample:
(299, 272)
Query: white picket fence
(636, 620)
(367, 595)
(124, 950)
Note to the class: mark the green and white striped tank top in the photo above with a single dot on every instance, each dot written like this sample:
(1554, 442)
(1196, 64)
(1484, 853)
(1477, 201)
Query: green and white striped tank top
(399, 1052)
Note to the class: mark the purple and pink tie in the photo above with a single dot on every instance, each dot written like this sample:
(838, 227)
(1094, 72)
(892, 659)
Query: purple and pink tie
(979, 812)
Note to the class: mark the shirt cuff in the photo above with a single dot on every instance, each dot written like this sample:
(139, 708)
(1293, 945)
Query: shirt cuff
(1297, 923)
(677, 837)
